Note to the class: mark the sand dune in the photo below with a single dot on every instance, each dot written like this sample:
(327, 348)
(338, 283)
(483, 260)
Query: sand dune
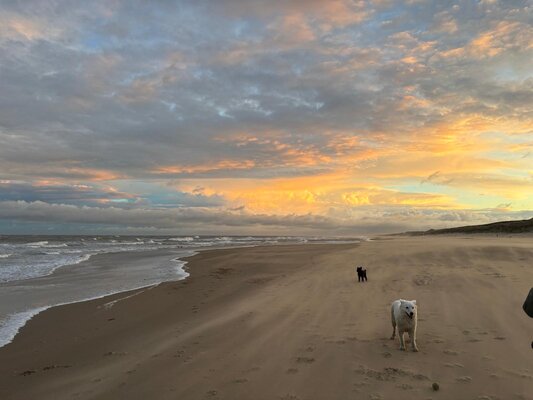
(291, 322)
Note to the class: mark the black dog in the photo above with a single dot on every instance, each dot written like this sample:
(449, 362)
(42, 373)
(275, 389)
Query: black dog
(361, 274)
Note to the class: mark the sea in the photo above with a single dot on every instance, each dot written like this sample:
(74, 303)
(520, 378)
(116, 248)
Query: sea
(39, 272)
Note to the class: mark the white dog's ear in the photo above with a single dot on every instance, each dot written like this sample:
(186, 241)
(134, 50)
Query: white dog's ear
(414, 302)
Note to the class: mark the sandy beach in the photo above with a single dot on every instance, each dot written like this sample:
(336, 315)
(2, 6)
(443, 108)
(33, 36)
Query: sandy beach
(292, 323)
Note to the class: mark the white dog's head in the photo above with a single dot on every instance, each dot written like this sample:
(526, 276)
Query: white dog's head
(408, 307)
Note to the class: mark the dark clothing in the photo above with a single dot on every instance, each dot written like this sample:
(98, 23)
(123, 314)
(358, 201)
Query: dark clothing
(528, 304)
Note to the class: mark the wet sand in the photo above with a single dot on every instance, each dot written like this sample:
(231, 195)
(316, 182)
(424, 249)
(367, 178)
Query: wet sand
(292, 322)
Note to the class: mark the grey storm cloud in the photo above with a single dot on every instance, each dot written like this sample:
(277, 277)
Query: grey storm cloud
(159, 218)
(189, 219)
(102, 196)
(67, 194)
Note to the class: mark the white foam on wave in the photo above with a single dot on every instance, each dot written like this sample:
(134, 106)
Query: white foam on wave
(13, 323)
(37, 244)
(6, 255)
(81, 259)
(118, 243)
(182, 239)
(45, 243)
(180, 268)
(19, 273)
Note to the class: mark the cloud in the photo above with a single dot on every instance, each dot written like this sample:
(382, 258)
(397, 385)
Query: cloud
(351, 103)
(51, 192)
(195, 219)
(104, 195)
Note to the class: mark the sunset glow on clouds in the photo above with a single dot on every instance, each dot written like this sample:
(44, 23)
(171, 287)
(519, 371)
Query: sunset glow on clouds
(333, 117)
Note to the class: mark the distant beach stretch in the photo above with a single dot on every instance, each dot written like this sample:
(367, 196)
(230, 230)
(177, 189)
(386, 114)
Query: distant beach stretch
(292, 322)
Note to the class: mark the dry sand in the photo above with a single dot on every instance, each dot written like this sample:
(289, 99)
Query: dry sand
(291, 322)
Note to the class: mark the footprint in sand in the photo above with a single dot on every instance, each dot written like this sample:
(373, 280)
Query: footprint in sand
(389, 374)
(405, 386)
(115, 353)
(500, 338)
(451, 352)
(54, 366)
(292, 371)
(464, 379)
(423, 280)
(454, 365)
(305, 360)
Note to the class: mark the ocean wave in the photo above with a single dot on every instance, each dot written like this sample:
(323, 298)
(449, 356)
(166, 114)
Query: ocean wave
(11, 325)
(182, 239)
(14, 322)
(119, 243)
(45, 243)
(6, 255)
(37, 244)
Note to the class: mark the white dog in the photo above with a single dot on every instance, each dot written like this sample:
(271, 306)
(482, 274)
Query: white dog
(404, 317)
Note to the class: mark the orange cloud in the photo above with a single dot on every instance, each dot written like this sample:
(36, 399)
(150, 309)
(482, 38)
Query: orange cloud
(17, 27)
(378, 196)
(95, 174)
(504, 36)
(210, 167)
(294, 28)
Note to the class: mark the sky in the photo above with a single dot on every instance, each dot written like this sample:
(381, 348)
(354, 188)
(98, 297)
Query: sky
(281, 117)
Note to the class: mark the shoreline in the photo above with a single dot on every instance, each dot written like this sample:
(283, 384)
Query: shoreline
(14, 322)
(291, 322)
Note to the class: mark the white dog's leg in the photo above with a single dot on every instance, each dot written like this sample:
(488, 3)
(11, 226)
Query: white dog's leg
(412, 337)
(402, 343)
